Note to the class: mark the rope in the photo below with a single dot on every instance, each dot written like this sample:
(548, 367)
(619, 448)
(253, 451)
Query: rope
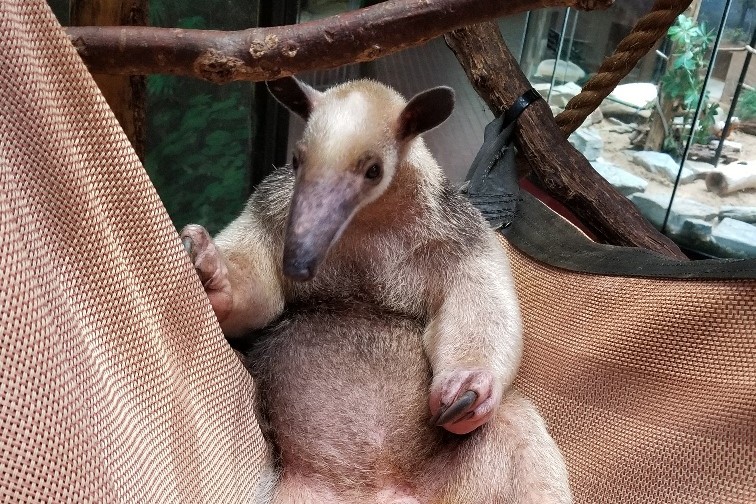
(632, 48)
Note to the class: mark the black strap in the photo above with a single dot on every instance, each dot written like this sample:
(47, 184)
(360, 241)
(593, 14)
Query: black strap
(492, 184)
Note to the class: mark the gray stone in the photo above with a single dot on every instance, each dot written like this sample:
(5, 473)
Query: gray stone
(588, 142)
(699, 168)
(614, 109)
(636, 94)
(735, 146)
(621, 128)
(596, 117)
(560, 95)
(624, 181)
(630, 101)
(542, 88)
(662, 164)
(565, 71)
(741, 213)
(736, 238)
(697, 229)
(654, 207)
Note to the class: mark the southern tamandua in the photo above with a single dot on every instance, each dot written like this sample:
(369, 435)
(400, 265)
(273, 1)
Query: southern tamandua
(390, 326)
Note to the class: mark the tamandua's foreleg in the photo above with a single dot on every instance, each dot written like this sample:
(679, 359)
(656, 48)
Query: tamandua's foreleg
(510, 460)
(238, 275)
(474, 340)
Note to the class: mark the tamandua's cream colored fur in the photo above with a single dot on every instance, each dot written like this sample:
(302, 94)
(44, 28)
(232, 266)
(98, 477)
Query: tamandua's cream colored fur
(364, 238)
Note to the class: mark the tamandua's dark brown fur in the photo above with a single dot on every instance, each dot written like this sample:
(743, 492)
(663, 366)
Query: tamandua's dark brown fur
(386, 301)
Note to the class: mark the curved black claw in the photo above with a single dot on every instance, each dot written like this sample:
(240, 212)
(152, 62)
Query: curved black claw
(456, 410)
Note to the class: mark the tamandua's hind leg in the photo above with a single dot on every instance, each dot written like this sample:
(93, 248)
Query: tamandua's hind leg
(512, 459)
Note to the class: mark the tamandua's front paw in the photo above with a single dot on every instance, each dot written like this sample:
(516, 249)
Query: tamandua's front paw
(211, 268)
(463, 400)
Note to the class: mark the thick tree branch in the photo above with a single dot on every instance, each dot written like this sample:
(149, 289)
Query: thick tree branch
(124, 93)
(564, 172)
(268, 53)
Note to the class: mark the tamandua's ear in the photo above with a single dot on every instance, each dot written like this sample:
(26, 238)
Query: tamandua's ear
(295, 95)
(425, 111)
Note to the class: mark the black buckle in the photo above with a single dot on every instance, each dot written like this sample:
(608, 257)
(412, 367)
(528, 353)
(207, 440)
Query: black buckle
(491, 184)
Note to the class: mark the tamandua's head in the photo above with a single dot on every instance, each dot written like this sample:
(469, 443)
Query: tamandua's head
(353, 144)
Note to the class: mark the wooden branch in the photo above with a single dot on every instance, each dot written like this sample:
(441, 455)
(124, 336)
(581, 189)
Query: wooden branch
(268, 53)
(125, 94)
(731, 178)
(564, 173)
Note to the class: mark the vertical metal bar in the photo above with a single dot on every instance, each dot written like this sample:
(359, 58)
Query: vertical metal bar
(559, 52)
(572, 34)
(271, 120)
(699, 105)
(735, 98)
(524, 37)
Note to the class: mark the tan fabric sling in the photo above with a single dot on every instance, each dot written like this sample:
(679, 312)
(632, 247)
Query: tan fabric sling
(116, 384)
(647, 384)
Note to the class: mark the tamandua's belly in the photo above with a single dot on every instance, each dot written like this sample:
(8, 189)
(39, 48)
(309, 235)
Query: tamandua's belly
(344, 397)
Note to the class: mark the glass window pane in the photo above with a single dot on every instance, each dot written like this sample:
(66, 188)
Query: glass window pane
(199, 134)
(638, 138)
(198, 146)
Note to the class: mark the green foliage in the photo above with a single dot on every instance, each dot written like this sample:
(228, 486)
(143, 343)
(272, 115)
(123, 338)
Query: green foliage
(746, 108)
(198, 151)
(682, 82)
(735, 35)
(199, 134)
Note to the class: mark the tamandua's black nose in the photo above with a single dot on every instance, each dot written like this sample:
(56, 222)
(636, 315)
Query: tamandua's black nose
(298, 270)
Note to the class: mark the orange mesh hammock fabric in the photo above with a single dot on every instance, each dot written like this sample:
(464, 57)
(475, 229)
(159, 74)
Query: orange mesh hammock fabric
(116, 384)
(648, 385)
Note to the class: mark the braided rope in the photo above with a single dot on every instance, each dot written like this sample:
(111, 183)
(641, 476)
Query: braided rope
(630, 50)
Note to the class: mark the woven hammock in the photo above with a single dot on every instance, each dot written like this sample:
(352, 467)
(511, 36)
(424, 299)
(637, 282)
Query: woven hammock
(116, 384)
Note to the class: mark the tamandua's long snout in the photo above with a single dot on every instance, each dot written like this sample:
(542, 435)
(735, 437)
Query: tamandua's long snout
(320, 211)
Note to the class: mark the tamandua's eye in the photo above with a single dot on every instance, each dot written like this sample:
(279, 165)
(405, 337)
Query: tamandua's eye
(295, 162)
(373, 171)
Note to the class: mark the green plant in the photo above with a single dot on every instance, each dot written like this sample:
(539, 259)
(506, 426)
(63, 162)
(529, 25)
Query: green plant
(681, 84)
(746, 108)
(199, 134)
(198, 152)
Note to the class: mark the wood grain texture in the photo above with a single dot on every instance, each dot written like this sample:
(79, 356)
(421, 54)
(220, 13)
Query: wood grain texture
(268, 53)
(560, 169)
(125, 94)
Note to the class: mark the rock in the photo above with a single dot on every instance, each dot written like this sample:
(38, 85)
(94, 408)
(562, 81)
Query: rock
(741, 213)
(624, 181)
(565, 71)
(637, 95)
(588, 142)
(699, 168)
(620, 127)
(568, 88)
(736, 238)
(630, 101)
(735, 147)
(697, 229)
(614, 109)
(560, 95)
(733, 177)
(654, 207)
(596, 117)
(662, 164)
(542, 88)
